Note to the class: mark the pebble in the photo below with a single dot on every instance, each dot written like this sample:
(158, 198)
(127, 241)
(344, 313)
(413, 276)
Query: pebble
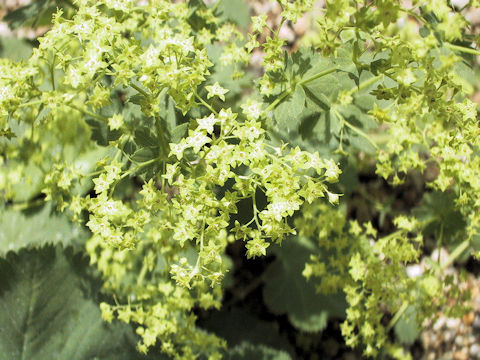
(439, 324)
(286, 33)
(476, 322)
(451, 338)
(475, 351)
(448, 336)
(459, 3)
(461, 355)
(453, 323)
(469, 318)
(459, 341)
(415, 270)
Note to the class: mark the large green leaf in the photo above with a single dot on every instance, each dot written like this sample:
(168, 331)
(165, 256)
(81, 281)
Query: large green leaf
(236, 11)
(237, 326)
(18, 230)
(35, 14)
(288, 111)
(407, 328)
(248, 351)
(15, 49)
(307, 117)
(224, 75)
(47, 311)
(444, 220)
(287, 291)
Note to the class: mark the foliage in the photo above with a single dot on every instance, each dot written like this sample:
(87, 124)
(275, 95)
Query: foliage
(139, 123)
(47, 310)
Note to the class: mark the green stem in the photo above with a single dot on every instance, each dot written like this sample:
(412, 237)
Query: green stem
(462, 49)
(319, 75)
(132, 170)
(139, 166)
(198, 262)
(140, 90)
(89, 113)
(93, 173)
(412, 14)
(215, 7)
(456, 253)
(280, 27)
(255, 212)
(355, 129)
(52, 73)
(439, 242)
(397, 315)
(143, 272)
(292, 89)
(204, 103)
(366, 84)
(69, 3)
(277, 101)
(30, 103)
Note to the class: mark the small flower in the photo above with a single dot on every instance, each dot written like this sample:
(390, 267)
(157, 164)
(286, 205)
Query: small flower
(102, 183)
(115, 122)
(253, 130)
(333, 198)
(216, 90)
(259, 22)
(170, 172)
(256, 247)
(332, 171)
(252, 109)
(207, 123)
(177, 149)
(197, 140)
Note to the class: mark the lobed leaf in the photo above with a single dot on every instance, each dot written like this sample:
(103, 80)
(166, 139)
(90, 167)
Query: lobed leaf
(19, 230)
(47, 312)
(287, 291)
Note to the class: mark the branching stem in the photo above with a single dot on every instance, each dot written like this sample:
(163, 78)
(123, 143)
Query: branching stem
(140, 90)
(204, 103)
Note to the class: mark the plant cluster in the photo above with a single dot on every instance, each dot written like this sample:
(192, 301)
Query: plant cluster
(139, 122)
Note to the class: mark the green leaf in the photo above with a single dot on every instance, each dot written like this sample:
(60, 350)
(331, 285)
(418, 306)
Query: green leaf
(288, 111)
(46, 311)
(237, 326)
(287, 291)
(361, 121)
(223, 74)
(248, 351)
(143, 154)
(29, 185)
(146, 137)
(364, 101)
(15, 49)
(236, 11)
(317, 100)
(137, 99)
(424, 31)
(101, 133)
(170, 116)
(407, 329)
(306, 63)
(26, 14)
(18, 230)
(179, 132)
(439, 209)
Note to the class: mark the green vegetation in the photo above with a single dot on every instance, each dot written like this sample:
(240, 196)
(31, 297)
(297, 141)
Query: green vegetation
(138, 146)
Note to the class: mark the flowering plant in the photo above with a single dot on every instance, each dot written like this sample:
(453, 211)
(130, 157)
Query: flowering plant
(131, 133)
